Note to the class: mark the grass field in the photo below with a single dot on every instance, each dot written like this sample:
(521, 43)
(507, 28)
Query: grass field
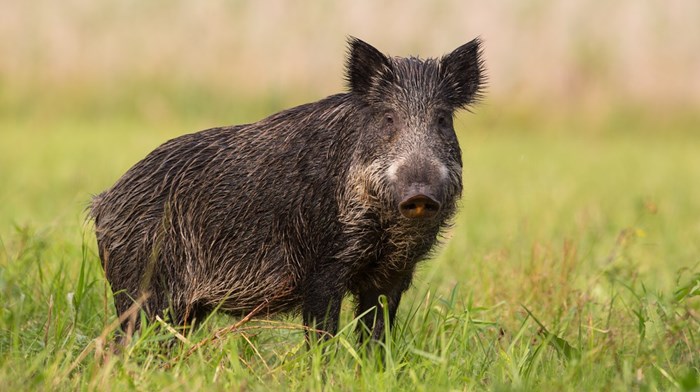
(574, 264)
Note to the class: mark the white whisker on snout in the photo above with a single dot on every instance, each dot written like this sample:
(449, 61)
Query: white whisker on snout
(444, 171)
(393, 169)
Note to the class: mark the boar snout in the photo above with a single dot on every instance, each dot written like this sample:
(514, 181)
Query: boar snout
(419, 203)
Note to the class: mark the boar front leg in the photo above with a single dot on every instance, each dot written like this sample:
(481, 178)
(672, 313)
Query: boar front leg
(374, 321)
(321, 307)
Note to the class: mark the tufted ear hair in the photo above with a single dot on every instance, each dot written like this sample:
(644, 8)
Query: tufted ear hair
(463, 74)
(365, 66)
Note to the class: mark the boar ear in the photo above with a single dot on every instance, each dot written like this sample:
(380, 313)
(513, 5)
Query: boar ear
(364, 65)
(462, 74)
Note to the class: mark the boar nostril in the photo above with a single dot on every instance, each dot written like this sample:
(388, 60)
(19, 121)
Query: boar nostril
(419, 206)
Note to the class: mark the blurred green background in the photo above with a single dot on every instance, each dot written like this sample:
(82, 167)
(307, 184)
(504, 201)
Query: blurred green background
(98, 58)
(588, 103)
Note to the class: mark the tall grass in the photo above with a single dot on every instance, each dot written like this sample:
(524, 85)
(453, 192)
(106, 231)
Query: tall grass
(574, 264)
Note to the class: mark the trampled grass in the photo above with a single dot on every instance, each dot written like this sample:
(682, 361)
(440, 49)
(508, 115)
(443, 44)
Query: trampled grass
(574, 264)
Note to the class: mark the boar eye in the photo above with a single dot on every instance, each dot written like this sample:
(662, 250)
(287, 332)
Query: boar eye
(442, 121)
(388, 125)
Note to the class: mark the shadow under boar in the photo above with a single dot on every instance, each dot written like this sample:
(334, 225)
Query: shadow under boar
(346, 194)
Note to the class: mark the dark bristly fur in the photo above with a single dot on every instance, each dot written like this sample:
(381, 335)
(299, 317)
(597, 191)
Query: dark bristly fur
(298, 209)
